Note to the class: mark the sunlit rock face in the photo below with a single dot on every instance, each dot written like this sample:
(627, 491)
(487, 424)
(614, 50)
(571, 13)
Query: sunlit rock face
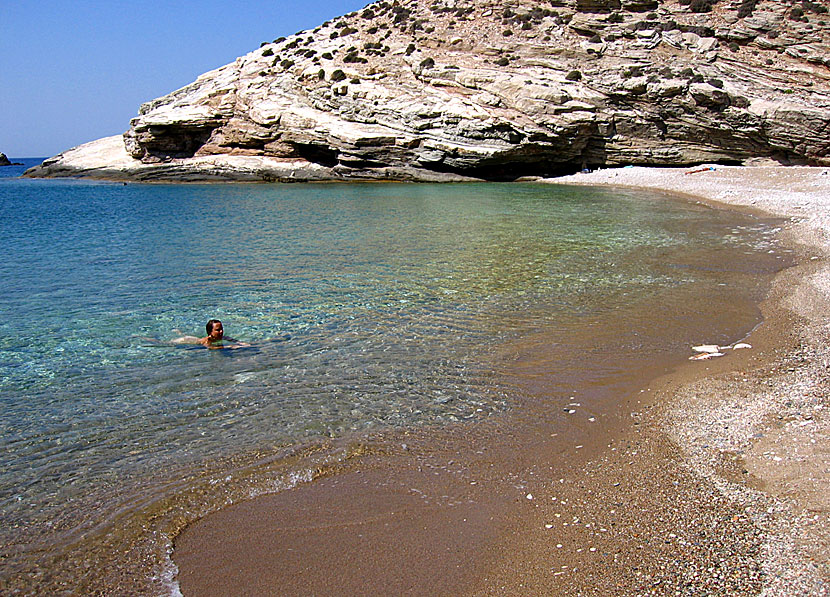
(445, 90)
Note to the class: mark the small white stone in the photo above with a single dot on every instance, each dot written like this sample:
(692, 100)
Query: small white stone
(529, 496)
(706, 355)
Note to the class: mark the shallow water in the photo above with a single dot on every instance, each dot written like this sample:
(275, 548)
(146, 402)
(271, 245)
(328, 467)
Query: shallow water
(368, 306)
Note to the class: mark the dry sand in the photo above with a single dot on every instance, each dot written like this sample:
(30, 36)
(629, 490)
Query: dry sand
(715, 482)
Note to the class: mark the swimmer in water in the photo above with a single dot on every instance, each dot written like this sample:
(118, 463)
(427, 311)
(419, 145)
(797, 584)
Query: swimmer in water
(215, 338)
(216, 335)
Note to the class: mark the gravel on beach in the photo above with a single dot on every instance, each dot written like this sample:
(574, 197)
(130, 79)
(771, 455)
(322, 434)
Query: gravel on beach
(752, 432)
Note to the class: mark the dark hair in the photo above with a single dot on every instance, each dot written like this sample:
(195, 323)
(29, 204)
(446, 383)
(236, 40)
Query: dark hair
(209, 325)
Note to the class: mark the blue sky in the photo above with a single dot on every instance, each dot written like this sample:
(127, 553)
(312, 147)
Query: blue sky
(71, 72)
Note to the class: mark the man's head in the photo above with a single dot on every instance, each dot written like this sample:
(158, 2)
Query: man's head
(214, 330)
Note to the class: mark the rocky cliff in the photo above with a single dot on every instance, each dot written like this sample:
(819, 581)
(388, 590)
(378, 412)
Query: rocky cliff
(444, 89)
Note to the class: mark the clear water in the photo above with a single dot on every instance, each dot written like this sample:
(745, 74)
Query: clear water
(367, 306)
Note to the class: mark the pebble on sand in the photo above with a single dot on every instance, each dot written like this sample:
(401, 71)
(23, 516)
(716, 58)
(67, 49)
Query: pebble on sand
(708, 348)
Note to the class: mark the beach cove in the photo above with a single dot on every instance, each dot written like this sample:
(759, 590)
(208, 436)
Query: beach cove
(711, 477)
(581, 356)
(141, 441)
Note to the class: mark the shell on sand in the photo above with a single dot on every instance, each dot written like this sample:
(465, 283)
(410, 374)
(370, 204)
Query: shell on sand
(711, 348)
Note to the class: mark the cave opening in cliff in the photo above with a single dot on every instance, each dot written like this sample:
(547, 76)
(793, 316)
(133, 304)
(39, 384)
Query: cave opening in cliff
(509, 170)
(316, 154)
(174, 142)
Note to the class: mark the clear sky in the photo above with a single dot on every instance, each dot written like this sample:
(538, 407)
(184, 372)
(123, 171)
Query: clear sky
(74, 71)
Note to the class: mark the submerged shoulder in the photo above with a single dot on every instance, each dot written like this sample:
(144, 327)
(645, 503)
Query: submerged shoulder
(187, 340)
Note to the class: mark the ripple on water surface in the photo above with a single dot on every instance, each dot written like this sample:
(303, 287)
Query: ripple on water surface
(367, 307)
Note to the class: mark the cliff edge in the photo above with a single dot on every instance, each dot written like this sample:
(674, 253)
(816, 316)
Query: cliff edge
(445, 90)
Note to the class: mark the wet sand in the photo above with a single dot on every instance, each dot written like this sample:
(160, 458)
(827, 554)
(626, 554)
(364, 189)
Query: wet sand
(757, 431)
(669, 489)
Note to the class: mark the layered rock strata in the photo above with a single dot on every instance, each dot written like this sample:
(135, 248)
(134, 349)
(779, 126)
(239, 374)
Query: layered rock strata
(445, 90)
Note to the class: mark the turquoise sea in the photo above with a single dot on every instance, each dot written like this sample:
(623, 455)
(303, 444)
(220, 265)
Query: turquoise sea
(367, 307)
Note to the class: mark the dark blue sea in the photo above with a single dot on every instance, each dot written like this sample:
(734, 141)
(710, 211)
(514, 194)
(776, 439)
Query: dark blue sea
(366, 307)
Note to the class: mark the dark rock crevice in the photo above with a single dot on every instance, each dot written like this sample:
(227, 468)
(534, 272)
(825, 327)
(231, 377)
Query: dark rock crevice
(316, 154)
(161, 143)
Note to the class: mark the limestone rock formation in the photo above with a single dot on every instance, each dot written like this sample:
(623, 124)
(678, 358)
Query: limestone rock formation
(450, 90)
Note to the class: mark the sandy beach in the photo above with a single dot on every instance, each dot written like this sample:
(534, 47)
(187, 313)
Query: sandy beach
(711, 480)
(758, 431)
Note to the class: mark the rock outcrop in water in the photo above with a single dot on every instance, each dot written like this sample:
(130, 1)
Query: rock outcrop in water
(4, 161)
(441, 89)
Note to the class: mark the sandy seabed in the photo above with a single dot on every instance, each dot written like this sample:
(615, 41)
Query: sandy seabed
(758, 429)
(717, 484)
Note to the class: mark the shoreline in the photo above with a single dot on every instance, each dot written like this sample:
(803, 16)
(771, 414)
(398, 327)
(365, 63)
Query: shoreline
(107, 160)
(672, 473)
(756, 430)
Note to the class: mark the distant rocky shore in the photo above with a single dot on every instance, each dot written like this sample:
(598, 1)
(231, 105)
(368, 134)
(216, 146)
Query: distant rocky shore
(441, 90)
(4, 161)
